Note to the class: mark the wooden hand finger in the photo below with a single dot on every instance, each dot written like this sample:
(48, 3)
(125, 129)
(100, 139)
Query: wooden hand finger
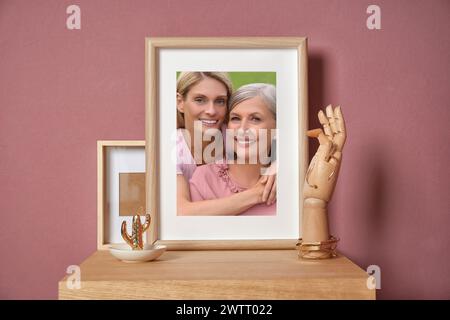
(331, 119)
(325, 124)
(341, 136)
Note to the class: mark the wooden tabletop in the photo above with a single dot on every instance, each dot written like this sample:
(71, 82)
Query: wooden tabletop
(237, 274)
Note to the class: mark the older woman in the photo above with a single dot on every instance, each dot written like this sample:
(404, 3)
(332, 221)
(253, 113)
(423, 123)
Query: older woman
(252, 118)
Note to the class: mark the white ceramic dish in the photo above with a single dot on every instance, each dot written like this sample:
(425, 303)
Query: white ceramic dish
(126, 254)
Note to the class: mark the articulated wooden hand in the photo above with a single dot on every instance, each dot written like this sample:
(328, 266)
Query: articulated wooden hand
(321, 179)
(324, 167)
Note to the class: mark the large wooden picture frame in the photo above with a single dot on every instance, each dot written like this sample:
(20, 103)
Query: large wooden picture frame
(152, 134)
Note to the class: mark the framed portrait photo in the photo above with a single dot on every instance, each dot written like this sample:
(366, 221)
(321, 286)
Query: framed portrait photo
(226, 146)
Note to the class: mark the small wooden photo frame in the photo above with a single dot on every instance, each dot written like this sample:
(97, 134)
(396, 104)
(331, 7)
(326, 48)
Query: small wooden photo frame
(120, 187)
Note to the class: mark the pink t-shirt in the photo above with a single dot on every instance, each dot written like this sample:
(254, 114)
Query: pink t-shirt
(212, 181)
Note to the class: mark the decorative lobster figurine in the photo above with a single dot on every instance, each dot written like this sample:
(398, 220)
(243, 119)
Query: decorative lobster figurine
(135, 241)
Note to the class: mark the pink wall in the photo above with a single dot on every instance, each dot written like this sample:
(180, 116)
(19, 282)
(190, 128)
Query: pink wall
(61, 91)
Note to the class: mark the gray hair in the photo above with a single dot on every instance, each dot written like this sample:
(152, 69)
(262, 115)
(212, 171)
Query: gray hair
(267, 92)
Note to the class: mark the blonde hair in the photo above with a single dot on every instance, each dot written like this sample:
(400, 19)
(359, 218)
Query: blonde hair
(187, 80)
(267, 92)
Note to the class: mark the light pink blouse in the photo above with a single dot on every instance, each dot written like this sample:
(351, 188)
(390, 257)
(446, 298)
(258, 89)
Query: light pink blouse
(212, 181)
(186, 164)
(185, 161)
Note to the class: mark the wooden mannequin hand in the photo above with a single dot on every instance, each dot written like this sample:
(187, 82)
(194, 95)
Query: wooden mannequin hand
(324, 167)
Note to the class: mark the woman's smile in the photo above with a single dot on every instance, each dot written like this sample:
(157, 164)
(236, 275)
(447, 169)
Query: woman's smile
(245, 141)
(210, 123)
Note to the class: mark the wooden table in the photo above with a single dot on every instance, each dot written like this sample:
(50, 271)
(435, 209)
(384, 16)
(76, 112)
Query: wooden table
(255, 274)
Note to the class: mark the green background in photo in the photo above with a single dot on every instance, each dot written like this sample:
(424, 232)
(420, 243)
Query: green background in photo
(240, 78)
